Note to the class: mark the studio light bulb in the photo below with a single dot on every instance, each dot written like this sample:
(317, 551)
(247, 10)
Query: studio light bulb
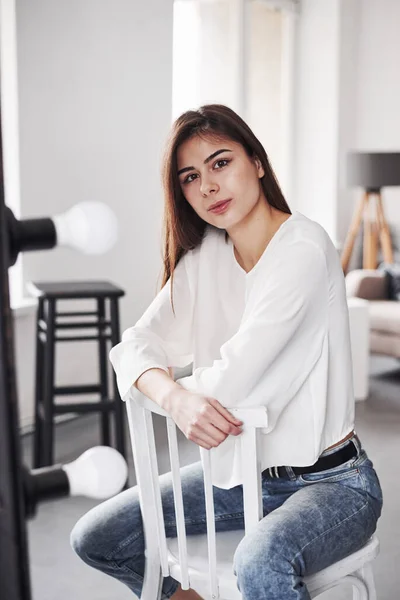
(90, 227)
(100, 472)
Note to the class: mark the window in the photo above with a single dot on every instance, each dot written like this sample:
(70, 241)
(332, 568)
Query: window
(239, 53)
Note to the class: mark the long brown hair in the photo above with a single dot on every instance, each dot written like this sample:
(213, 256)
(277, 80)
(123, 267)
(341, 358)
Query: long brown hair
(183, 229)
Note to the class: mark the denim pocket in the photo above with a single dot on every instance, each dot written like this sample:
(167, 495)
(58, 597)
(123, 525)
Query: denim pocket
(373, 488)
(330, 475)
(362, 459)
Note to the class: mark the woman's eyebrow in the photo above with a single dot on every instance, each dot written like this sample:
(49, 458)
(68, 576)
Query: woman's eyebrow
(207, 160)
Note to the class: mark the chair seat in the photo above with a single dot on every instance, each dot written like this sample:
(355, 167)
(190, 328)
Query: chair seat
(227, 542)
(74, 289)
(343, 567)
(197, 552)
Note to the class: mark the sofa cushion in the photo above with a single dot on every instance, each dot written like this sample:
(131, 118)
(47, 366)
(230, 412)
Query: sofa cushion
(384, 315)
(384, 343)
(370, 284)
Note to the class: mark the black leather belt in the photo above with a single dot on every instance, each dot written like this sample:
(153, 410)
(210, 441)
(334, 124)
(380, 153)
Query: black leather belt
(323, 463)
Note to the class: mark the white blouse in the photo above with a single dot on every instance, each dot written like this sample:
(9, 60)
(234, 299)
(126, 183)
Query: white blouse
(277, 336)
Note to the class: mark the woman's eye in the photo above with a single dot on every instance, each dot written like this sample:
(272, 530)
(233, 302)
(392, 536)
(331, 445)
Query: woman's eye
(190, 178)
(221, 163)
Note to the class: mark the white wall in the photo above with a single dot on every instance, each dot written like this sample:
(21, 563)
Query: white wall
(378, 86)
(316, 112)
(95, 106)
(347, 109)
(347, 98)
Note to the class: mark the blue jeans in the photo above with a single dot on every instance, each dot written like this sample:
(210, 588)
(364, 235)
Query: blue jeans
(310, 521)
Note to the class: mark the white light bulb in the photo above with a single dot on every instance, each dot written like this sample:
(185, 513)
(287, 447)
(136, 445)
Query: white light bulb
(100, 472)
(90, 227)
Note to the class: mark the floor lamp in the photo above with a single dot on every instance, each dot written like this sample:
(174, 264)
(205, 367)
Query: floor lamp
(371, 171)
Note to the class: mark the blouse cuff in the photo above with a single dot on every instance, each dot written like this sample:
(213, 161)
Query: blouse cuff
(127, 380)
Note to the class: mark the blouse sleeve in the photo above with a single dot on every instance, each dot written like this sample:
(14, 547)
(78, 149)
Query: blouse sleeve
(280, 337)
(160, 338)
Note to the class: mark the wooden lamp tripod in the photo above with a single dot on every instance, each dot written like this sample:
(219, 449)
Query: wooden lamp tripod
(370, 212)
(372, 171)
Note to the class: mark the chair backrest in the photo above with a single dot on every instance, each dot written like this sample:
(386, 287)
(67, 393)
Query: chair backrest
(140, 409)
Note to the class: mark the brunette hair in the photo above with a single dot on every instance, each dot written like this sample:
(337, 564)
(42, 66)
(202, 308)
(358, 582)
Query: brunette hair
(183, 229)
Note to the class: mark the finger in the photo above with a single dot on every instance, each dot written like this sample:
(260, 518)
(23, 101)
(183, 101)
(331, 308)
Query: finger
(219, 420)
(197, 431)
(211, 419)
(208, 415)
(220, 430)
(214, 432)
(204, 440)
(206, 430)
(224, 425)
(224, 412)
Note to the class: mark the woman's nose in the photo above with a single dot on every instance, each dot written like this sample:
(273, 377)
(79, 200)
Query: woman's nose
(208, 187)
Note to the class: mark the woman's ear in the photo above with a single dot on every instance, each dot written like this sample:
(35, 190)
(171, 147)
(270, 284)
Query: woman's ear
(260, 168)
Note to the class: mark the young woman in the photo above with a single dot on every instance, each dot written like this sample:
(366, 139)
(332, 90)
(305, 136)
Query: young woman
(254, 296)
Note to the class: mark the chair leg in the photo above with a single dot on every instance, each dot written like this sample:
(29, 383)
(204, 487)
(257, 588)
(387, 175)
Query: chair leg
(367, 576)
(152, 583)
(358, 594)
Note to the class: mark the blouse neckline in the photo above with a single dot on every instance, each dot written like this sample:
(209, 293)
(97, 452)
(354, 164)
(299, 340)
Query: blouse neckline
(267, 248)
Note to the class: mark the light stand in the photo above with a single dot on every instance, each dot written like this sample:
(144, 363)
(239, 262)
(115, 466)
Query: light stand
(14, 569)
(371, 171)
(89, 227)
(100, 472)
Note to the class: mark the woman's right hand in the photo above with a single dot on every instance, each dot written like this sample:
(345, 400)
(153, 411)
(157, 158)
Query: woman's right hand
(203, 420)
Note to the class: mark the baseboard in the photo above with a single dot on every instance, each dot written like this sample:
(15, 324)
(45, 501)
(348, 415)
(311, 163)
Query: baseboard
(27, 427)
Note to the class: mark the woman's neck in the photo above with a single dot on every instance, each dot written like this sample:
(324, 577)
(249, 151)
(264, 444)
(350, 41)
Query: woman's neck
(251, 236)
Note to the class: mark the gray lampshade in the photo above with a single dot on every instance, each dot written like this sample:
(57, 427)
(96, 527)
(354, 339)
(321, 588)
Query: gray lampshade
(373, 170)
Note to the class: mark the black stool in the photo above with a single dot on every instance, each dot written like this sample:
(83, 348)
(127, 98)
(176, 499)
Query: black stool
(48, 324)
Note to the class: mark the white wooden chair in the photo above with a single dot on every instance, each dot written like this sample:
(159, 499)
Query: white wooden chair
(205, 562)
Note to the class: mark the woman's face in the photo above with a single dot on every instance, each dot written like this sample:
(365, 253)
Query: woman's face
(212, 171)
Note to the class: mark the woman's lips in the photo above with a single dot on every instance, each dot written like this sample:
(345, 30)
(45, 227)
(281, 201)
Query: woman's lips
(221, 208)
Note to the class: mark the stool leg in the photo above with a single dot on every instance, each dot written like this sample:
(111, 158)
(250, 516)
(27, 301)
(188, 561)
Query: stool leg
(105, 415)
(48, 417)
(40, 345)
(119, 409)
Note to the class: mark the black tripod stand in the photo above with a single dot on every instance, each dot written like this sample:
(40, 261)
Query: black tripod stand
(14, 570)
(20, 488)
